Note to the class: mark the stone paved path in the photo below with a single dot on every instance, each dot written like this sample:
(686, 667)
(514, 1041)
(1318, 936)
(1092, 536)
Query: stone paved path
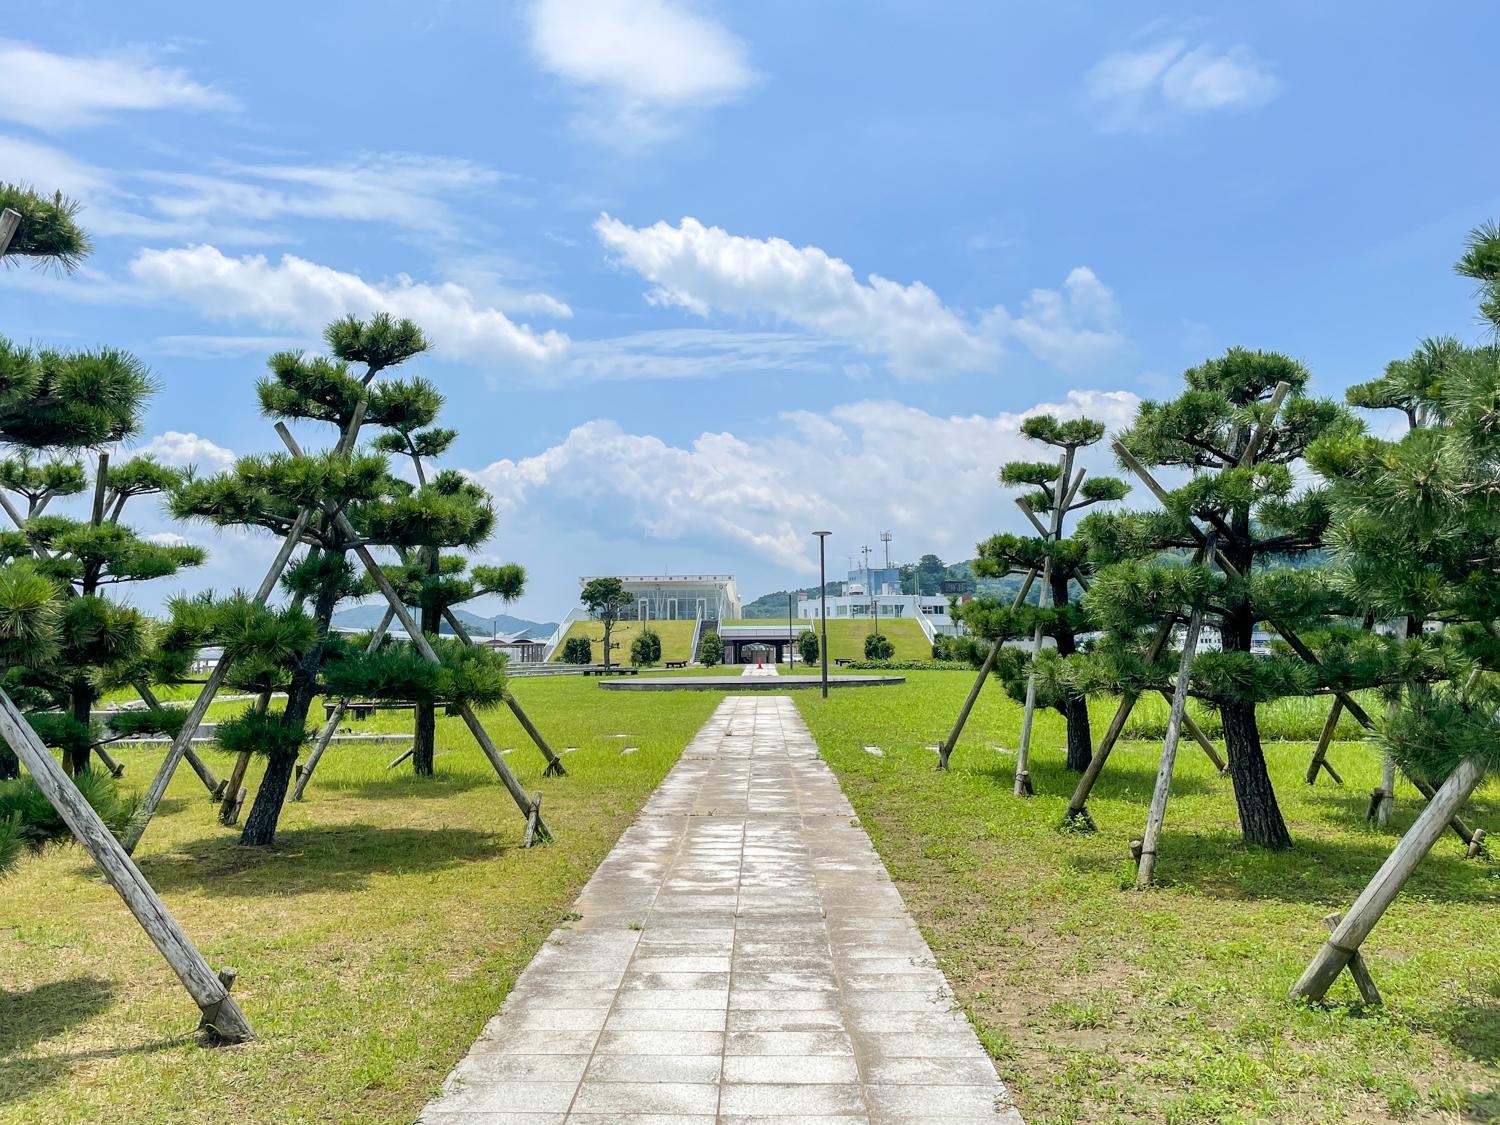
(742, 957)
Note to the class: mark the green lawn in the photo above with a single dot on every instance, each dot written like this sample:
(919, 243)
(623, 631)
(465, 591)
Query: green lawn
(1104, 1004)
(846, 637)
(372, 943)
(676, 639)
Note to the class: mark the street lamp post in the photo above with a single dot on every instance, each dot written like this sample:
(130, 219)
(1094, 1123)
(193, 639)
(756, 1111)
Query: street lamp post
(823, 601)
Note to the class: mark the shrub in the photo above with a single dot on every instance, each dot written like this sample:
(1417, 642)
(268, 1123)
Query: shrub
(645, 649)
(807, 646)
(711, 649)
(27, 817)
(879, 647)
(958, 649)
(578, 650)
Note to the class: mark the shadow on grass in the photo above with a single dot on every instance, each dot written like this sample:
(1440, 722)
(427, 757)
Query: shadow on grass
(325, 858)
(1117, 782)
(27, 1018)
(1334, 871)
(1472, 1025)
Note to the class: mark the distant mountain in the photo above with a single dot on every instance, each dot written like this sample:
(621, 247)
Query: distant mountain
(773, 605)
(368, 617)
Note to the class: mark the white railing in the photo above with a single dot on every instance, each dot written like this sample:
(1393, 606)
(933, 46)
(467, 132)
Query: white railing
(554, 642)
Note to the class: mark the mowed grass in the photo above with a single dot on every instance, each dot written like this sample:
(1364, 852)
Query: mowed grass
(676, 639)
(372, 943)
(846, 636)
(1104, 1004)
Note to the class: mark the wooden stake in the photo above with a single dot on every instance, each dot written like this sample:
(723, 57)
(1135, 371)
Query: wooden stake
(1158, 814)
(1320, 755)
(220, 1014)
(1060, 491)
(211, 687)
(234, 791)
(1374, 900)
(554, 763)
(1387, 802)
(422, 645)
(10, 221)
(401, 757)
(946, 750)
(214, 786)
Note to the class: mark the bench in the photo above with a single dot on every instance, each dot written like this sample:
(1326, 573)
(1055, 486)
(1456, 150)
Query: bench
(843, 661)
(677, 663)
(612, 670)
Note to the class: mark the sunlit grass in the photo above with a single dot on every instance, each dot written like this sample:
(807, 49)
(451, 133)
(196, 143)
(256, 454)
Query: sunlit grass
(1103, 1004)
(372, 942)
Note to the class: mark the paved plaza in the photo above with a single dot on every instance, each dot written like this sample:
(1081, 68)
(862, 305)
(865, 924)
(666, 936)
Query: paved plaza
(742, 957)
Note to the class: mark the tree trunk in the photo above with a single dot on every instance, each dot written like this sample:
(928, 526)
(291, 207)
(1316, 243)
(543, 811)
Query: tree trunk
(424, 739)
(265, 814)
(81, 699)
(1075, 707)
(1261, 823)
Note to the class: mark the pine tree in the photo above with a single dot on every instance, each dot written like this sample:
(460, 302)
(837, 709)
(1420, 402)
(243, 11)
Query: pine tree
(1416, 535)
(1253, 512)
(458, 514)
(269, 491)
(607, 603)
(1005, 554)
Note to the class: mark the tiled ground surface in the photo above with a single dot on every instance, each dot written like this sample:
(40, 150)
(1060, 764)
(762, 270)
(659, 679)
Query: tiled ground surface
(742, 957)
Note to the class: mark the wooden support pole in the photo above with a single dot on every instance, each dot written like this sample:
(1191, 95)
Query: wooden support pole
(1373, 901)
(1320, 754)
(114, 767)
(234, 791)
(1357, 967)
(1060, 492)
(419, 640)
(1386, 803)
(325, 736)
(200, 706)
(220, 1014)
(554, 763)
(946, 750)
(1151, 840)
(214, 786)
(401, 757)
(10, 222)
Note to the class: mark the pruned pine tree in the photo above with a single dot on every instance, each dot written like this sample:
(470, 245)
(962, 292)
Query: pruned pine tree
(46, 231)
(1416, 534)
(443, 512)
(1064, 618)
(607, 603)
(269, 491)
(1248, 498)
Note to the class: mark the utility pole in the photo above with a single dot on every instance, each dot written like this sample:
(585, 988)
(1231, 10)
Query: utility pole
(823, 602)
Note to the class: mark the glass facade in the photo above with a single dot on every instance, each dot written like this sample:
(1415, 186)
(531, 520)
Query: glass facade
(682, 597)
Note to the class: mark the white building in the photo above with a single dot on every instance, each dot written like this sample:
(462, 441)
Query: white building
(931, 611)
(680, 597)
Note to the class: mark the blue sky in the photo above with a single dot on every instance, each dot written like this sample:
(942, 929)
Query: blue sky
(701, 277)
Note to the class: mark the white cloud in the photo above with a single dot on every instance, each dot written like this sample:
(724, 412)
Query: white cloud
(296, 295)
(639, 63)
(931, 478)
(169, 539)
(241, 203)
(177, 448)
(706, 269)
(227, 347)
(1142, 87)
(55, 91)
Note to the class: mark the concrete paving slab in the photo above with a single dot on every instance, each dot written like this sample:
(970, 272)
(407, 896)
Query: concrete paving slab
(742, 958)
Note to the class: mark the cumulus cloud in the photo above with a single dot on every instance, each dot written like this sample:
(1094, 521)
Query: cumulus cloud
(815, 469)
(638, 64)
(56, 91)
(706, 269)
(183, 449)
(296, 295)
(1144, 86)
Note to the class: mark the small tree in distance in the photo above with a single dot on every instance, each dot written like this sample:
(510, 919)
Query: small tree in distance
(879, 647)
(606, 601)
(711, 649)
(578, 650)
(807, 646)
